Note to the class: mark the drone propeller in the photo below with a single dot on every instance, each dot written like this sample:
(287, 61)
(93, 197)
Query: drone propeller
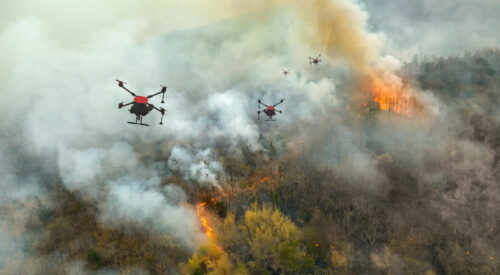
(120, 84)
(163, 89)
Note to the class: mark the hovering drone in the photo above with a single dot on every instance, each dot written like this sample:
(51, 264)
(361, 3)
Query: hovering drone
(140, 106)
(314, 61)
(269, 110)
(285, 72)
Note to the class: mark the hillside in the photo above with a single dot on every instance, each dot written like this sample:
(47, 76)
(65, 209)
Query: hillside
(387, 197)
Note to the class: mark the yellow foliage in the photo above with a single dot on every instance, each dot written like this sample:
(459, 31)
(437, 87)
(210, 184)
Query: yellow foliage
(264, 239)
(339, 259)
(269, 224)
(211, 260)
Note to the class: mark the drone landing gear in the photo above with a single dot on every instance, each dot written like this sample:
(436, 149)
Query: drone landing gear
(138, 121)
(143, 124)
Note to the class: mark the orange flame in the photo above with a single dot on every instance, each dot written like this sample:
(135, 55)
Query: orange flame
(200, 211)
(209, 231)
(264, 179)
(392, 95)
(202, 214)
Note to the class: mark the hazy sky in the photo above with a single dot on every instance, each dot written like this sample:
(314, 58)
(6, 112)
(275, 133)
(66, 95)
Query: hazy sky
(75, 21)
(411, 27)
(435, 27)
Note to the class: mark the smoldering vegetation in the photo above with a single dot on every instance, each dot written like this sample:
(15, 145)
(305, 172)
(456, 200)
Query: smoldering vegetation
(386, 195)
(335, 186)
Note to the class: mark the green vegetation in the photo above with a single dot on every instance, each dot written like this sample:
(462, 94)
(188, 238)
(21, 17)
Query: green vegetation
(93, 258)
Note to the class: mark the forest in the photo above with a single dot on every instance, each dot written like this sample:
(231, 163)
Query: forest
(426, 201)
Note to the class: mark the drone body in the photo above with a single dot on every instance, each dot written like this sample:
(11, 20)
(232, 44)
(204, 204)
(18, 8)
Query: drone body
(315, 61)
(141, 106)
(269, 111)
(285, 72)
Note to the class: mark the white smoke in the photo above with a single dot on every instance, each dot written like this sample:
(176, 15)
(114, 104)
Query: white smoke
(161, 210)
(65, 103)
(60, 102)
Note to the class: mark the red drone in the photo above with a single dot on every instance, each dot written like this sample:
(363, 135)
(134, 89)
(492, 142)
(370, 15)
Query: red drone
(270, 111)
(314, 61)
(141, 106)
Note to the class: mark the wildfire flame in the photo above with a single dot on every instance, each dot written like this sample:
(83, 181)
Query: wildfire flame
(392, 95)
(200, 211)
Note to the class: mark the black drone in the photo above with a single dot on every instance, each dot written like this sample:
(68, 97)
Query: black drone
(269, 110)
(140, 106)
(285, 72)
(314, 61)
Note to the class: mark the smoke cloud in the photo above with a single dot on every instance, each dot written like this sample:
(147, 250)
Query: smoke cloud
(60, 118)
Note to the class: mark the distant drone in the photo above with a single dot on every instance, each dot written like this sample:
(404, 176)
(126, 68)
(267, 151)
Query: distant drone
(140, 106)
(314, 61)
(285, 72)
(269, 110)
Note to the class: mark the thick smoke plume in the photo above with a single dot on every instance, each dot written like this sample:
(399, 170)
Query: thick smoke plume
(61, 129)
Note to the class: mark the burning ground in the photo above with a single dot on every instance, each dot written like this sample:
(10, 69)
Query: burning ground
(376, 165)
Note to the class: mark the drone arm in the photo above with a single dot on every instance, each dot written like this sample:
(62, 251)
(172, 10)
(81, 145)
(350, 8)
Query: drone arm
(260, 102)
(281, 101)
(150, 96)
(163, 90)
(121, 105)
(161, 110)
(130, 92)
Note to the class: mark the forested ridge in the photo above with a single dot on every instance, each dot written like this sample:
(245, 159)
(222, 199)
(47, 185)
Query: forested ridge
(430, 205)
